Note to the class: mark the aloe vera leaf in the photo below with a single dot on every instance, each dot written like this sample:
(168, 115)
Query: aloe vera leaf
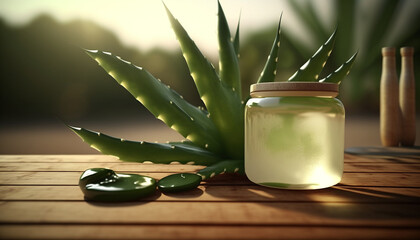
(310, 71)
(227, 166)
(162, 101)
(270, 69)
(222, 102)
(132, 151)
(236, 39)
(228, 59)
(345, 15)
(338, 75)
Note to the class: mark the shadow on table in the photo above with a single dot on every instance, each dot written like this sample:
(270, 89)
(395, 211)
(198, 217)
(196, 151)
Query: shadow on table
(338, 202)
(191, 194)
(118, 204)
(194, 193)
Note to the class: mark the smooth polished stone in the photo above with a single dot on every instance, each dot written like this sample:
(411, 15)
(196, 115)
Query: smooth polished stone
(179, 182)
(104, 185)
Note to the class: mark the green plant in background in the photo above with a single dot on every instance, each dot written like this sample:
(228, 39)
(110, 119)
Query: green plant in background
(215, 135)
(367, 26)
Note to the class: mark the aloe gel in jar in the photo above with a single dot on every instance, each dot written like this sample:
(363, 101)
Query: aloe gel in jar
(294, 135)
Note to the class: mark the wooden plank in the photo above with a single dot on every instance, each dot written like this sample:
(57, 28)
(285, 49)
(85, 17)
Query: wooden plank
(48, 178)
(59, 158)
(381, 179)
(210, 193)
(237, 213)
(382, 167)
(72, 178)
(380, 159)
(200, 232)
(349, 179)
(97, 158)
(385, 151)
(77, 167)
(146, 167)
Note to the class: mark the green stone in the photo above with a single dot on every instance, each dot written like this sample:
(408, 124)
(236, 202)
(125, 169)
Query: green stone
(179, 182)
(104, 185)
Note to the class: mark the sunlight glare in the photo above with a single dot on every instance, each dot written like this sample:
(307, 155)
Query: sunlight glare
(144, 24)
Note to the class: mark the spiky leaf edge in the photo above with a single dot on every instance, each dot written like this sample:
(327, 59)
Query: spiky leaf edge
(236, 39)
(340, 73)
(228, 59)
(310, 71)
(224, 106)
(270, 69)
(227, 166)
(132, 151)
(162, 101)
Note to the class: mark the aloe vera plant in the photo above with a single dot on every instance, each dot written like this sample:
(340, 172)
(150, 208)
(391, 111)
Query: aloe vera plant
(215, 135)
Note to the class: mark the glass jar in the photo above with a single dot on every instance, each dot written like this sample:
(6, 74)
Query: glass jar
(294, 135)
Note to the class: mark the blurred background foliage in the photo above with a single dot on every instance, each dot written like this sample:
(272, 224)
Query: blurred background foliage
(366, 27)
(44, 72)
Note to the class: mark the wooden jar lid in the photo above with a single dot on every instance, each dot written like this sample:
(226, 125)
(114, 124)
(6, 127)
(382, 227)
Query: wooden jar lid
(294, 89)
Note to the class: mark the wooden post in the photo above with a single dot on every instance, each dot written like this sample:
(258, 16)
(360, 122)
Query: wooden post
(407, 97)
(390, 113)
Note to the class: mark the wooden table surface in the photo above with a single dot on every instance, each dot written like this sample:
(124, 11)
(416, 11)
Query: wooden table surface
(378, 198)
